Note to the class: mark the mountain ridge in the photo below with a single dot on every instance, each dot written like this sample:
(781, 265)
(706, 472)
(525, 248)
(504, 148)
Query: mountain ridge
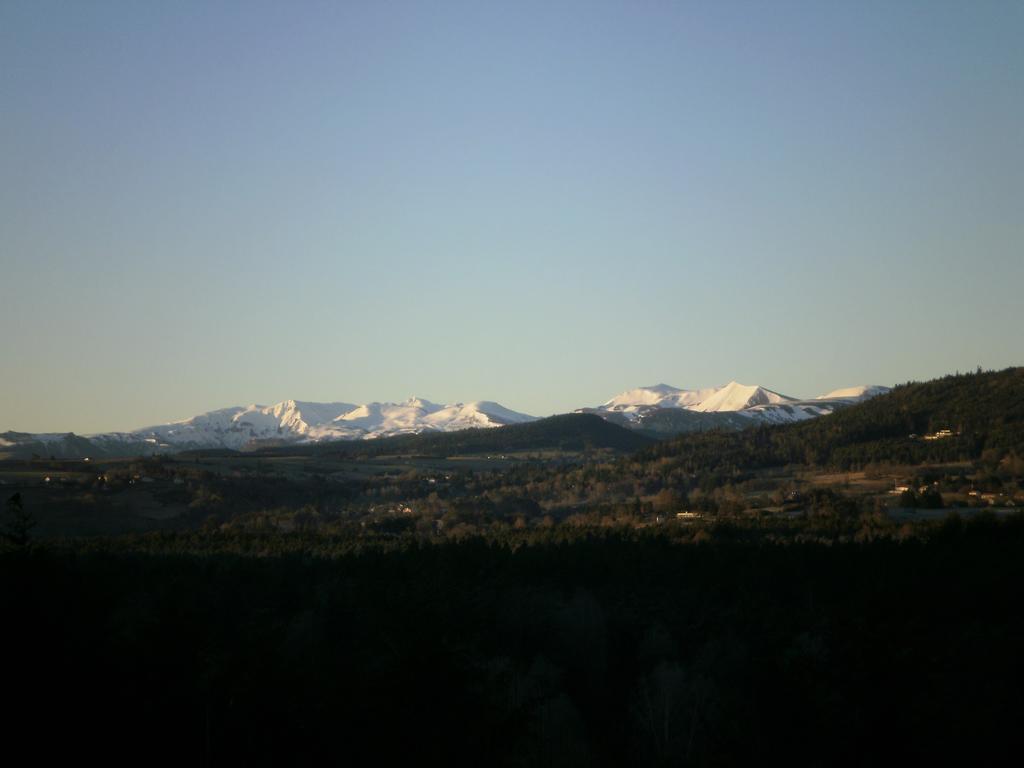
(659, 410)
(656, 409)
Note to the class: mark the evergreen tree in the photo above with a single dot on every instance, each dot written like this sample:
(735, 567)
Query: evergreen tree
(17, 522)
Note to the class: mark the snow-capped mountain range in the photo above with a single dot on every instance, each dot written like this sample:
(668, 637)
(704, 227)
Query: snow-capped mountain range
(660, 408)
(295, 421)
(644, 405)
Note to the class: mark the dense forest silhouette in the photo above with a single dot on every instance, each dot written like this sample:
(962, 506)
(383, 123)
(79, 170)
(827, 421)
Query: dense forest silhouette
(595, 650)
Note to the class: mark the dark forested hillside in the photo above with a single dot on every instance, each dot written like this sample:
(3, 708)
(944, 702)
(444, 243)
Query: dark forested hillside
(666, 422)
(567, 432)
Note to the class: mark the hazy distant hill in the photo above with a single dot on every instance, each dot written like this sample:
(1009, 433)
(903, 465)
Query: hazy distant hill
(21, 445)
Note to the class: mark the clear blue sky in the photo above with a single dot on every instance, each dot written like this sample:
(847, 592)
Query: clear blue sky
(208, 204)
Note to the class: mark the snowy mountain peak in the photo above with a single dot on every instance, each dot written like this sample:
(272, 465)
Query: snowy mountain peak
(664, 389)
(735, 397)
(657, 396)
(496, 412)
(732, 397)
(291, 421)
(752, 401)
(418, 402)
(298, 413)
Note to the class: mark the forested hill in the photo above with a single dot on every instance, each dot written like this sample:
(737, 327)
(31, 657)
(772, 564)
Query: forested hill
(983, 412)
(567, 432)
